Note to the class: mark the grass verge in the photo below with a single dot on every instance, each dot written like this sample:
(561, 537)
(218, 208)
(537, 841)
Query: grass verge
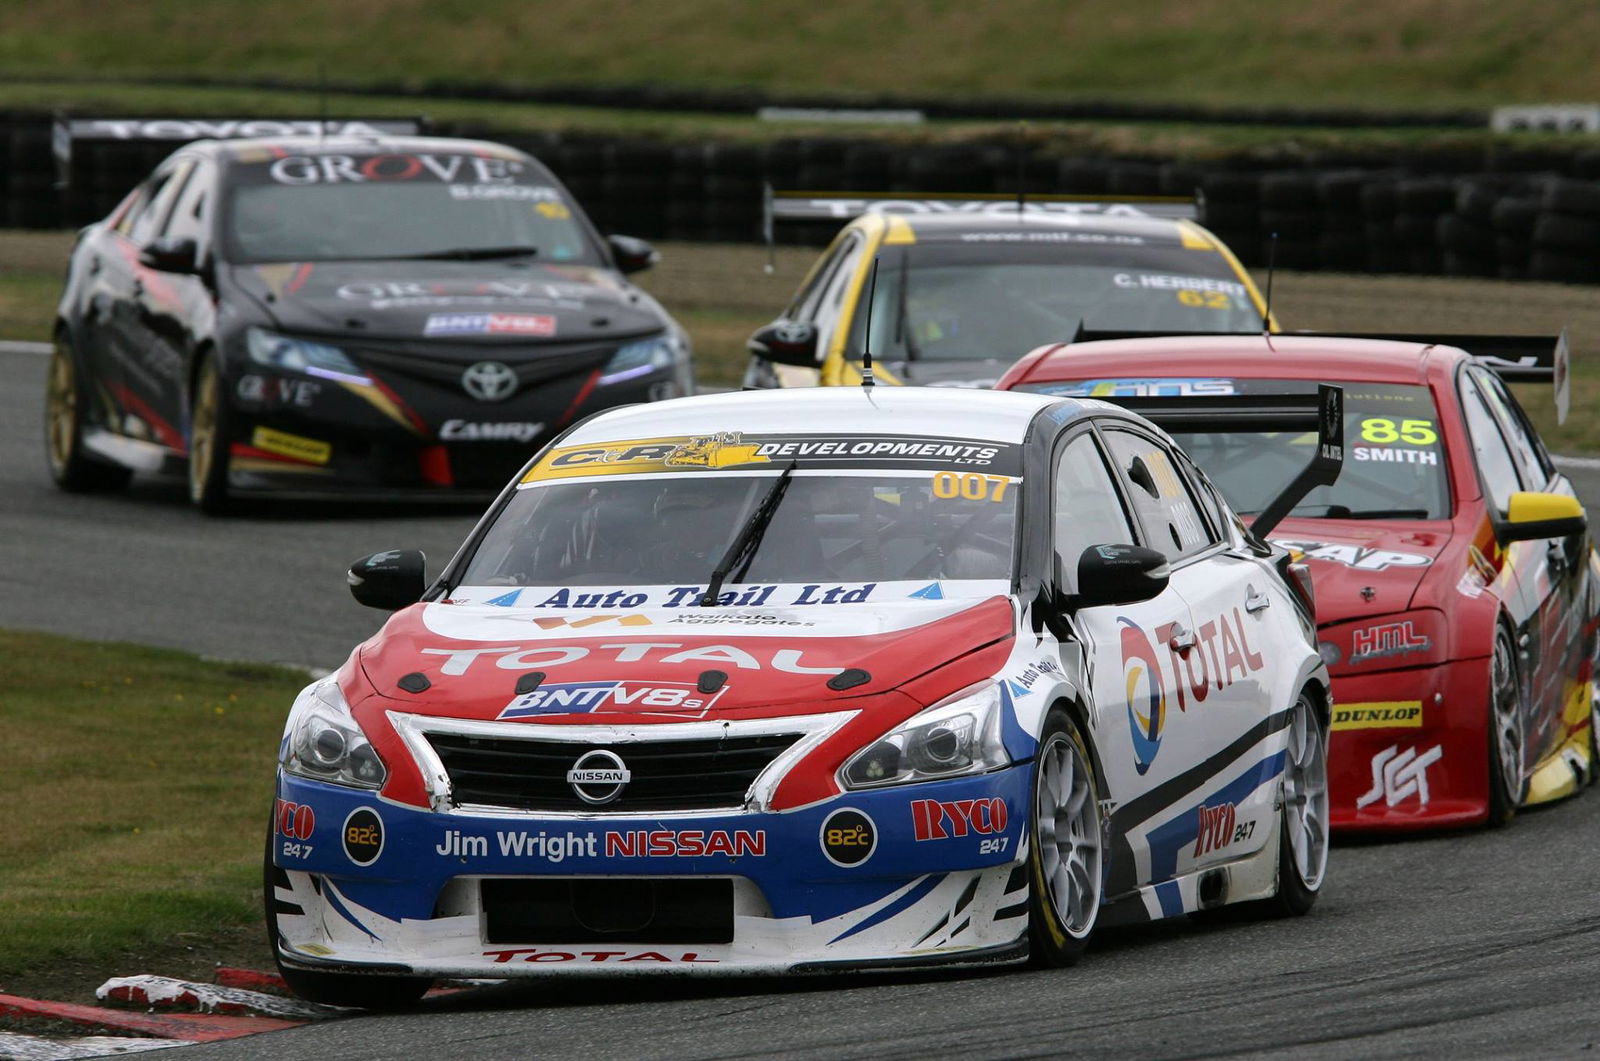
(141, 785)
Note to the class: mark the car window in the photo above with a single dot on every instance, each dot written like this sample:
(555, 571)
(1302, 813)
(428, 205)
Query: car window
(189, 212)
(144, 219)
(828, 527)
(1495, 463)
(1164, 502)
(986, 297)
(807, 302)
(1086, 508)
(375, 206)
(1533, 462)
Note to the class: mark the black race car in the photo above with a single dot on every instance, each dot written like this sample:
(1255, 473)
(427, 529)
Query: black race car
(382, 316)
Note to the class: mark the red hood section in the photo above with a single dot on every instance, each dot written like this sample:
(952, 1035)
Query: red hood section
(1364, 567)
(658, 664)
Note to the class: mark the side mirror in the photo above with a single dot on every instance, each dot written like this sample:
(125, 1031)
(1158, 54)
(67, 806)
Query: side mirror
(786, 342)
(1118, 574)
(632, 255)
(1531, 516)
(171, 254)
(389, 580)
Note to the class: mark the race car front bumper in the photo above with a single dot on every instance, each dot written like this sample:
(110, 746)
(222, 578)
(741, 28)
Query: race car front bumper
(918, 874)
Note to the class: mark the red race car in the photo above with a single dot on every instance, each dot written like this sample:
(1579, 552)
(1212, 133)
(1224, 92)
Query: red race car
(1456, 585)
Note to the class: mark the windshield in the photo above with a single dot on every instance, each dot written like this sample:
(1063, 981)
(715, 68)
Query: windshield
(330, 207)
(1394, 465)
(827, 527)
(954, 301)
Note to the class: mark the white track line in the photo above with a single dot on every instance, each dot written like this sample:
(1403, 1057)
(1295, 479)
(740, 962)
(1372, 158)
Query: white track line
(1587, 464)
(17, 346)
(14, 1047)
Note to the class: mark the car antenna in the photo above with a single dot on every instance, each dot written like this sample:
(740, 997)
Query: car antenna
(866, 337)
(1272, 262)
(767, 233)
(322, 102)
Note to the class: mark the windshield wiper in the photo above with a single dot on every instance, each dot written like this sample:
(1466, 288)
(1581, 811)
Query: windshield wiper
(473, 254)
(743, 549)
(1345, 512)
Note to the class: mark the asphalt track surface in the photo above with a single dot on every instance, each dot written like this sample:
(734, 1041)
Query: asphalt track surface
(1476, 944)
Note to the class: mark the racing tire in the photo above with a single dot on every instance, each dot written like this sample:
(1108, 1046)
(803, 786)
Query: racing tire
(1303, 839)
(1066, 842)
(333, 989)
(1505, 731)
(209, 439)
(66, 401)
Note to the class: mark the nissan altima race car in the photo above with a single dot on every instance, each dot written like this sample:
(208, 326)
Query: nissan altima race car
(839, 684)
(1456, 583)
(384, 315)
(961, 294)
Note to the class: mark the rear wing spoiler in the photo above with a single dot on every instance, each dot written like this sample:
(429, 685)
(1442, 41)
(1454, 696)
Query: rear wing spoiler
(66, 133)
(1322, 412)
(1514, 358)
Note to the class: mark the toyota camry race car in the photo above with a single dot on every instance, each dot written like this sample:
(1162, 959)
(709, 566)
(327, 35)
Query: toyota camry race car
(837, 685)
(378, 315)
(962, 293)
(1456, 584)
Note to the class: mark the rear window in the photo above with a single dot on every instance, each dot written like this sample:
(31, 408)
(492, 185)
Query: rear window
(1394, 464)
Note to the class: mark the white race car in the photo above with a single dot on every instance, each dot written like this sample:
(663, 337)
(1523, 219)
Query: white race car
(777, 682)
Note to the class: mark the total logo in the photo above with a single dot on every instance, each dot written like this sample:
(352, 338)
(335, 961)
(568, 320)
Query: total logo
(539, 954)
(578, 698)
(542, 657)
(1398, 775)
(1219, 654)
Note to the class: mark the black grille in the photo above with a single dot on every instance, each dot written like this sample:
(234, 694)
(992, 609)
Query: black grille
(532, 366)
(666, 775)
(591, 910)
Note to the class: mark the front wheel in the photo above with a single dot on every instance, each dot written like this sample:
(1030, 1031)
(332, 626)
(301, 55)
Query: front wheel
(1505, 731)
(71, 467)
(208, 440)
(333, 989)
(1303, 844)
(1064, 860)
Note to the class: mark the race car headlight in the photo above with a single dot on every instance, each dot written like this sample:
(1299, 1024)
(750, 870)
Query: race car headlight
(299, 355)
(322, 740)
(640, 358)
(959, 735)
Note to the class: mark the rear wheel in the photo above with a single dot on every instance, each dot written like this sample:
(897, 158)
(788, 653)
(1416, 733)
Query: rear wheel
(334, 989)
(1505, 731)
(65, 406)
(1064, 861)
(208, 440)
(1303, 845)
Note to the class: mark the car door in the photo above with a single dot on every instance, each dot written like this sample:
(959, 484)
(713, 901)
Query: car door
(1559, 573)
(139, 372)
(1219, 665)
(174, 307)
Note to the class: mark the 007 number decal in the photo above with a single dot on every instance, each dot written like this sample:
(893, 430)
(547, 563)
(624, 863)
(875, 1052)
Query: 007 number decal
(969, 486)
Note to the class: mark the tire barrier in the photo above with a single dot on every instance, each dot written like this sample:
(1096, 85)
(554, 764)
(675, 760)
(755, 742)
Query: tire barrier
(1494, 211)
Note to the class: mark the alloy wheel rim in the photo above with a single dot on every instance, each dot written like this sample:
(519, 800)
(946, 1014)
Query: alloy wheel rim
(1067, 830)
(1305, 795)
(61, 406)
(202, 438)
(1507, 727)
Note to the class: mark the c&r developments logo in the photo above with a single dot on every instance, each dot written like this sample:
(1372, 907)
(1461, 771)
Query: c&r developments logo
(1147, 699)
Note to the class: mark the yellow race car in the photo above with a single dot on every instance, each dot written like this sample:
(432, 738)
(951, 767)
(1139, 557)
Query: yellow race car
(965, 287)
